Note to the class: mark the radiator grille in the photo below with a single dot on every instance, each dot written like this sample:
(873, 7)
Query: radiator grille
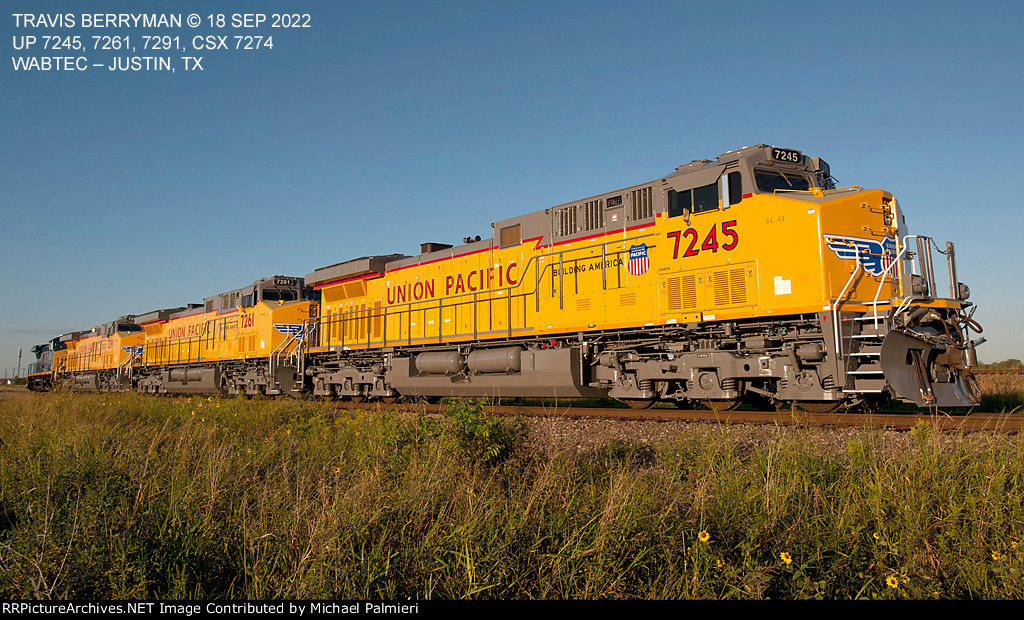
(593, 215)
(565, 221)
(642, 206)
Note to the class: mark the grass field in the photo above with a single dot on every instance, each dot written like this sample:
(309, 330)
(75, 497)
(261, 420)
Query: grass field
(1002, 391)
(125, 497)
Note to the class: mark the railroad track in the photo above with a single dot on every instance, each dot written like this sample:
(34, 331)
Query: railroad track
(1009, 423)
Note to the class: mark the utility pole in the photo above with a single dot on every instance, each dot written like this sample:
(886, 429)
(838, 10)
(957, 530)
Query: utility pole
(18, 376)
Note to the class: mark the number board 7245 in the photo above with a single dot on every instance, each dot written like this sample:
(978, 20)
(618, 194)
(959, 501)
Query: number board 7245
(787, 155)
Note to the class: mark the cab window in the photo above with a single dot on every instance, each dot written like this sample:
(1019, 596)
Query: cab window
(697, 200)
(770, 180)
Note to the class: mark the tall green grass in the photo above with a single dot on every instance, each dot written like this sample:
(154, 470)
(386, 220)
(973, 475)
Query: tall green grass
(124, 496)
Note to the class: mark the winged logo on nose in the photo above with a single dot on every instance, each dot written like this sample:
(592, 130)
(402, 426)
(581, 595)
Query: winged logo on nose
(875, 256)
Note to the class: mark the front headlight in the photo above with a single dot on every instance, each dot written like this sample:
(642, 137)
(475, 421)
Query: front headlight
(964, 290)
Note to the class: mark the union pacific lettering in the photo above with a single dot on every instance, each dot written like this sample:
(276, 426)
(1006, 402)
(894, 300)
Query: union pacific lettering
(476, 280)
(189, 331)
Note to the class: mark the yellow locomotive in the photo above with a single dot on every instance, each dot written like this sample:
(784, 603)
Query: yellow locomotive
(747, 277)
(241, 341)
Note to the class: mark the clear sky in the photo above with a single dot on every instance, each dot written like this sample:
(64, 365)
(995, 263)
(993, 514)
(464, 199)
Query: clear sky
(387, 124)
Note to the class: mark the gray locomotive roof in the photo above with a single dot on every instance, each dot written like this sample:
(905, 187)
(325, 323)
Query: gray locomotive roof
(449, 252)
(352, 268)
(158, 315)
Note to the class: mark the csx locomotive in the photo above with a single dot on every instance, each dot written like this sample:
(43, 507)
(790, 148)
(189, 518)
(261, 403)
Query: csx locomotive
(749, 278)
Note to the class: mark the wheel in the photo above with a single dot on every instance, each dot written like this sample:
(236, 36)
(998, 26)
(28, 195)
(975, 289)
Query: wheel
(722, 405)
(390, 400)
(809, 406)
(638, 403)
(819, 406)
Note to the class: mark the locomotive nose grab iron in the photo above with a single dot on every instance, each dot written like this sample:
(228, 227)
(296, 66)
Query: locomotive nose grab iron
(748, 278)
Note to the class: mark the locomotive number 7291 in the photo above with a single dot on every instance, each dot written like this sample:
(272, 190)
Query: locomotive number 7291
(710, 241)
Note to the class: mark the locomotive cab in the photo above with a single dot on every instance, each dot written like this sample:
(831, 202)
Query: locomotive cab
(280, 289)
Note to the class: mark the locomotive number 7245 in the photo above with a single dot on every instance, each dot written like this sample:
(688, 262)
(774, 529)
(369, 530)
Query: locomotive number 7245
(710, 241)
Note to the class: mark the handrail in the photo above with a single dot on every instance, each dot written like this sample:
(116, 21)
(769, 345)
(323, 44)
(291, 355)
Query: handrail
(129, 362)
(835, 311)
(341, 318)
(281, 348)
(881, 282)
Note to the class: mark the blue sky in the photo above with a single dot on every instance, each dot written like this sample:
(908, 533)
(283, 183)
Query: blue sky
(388, 124)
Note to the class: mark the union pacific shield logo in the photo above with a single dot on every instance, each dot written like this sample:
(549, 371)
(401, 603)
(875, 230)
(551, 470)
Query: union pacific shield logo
(638, 262)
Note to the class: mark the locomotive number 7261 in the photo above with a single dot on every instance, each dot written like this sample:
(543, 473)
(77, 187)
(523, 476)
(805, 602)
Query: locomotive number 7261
(710, 241)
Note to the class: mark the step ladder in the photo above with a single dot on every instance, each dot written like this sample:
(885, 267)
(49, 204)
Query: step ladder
(864, 373)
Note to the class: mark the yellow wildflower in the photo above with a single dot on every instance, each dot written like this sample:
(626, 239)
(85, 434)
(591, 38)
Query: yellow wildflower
(703, 536)
(892, 581)
(785, 557)
(997, 556)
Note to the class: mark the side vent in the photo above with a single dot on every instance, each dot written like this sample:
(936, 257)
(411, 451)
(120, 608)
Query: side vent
(565, 221)
(681, 293)
(738, 286)
(730, 287)
(582, 304)
(593, 215)
(627, 299)
(673, 295)
(642, 206)
(510, 236)
(689, 292)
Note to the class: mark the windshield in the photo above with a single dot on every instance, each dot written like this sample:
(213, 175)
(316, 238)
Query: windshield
(278, 295)
(771, 180)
